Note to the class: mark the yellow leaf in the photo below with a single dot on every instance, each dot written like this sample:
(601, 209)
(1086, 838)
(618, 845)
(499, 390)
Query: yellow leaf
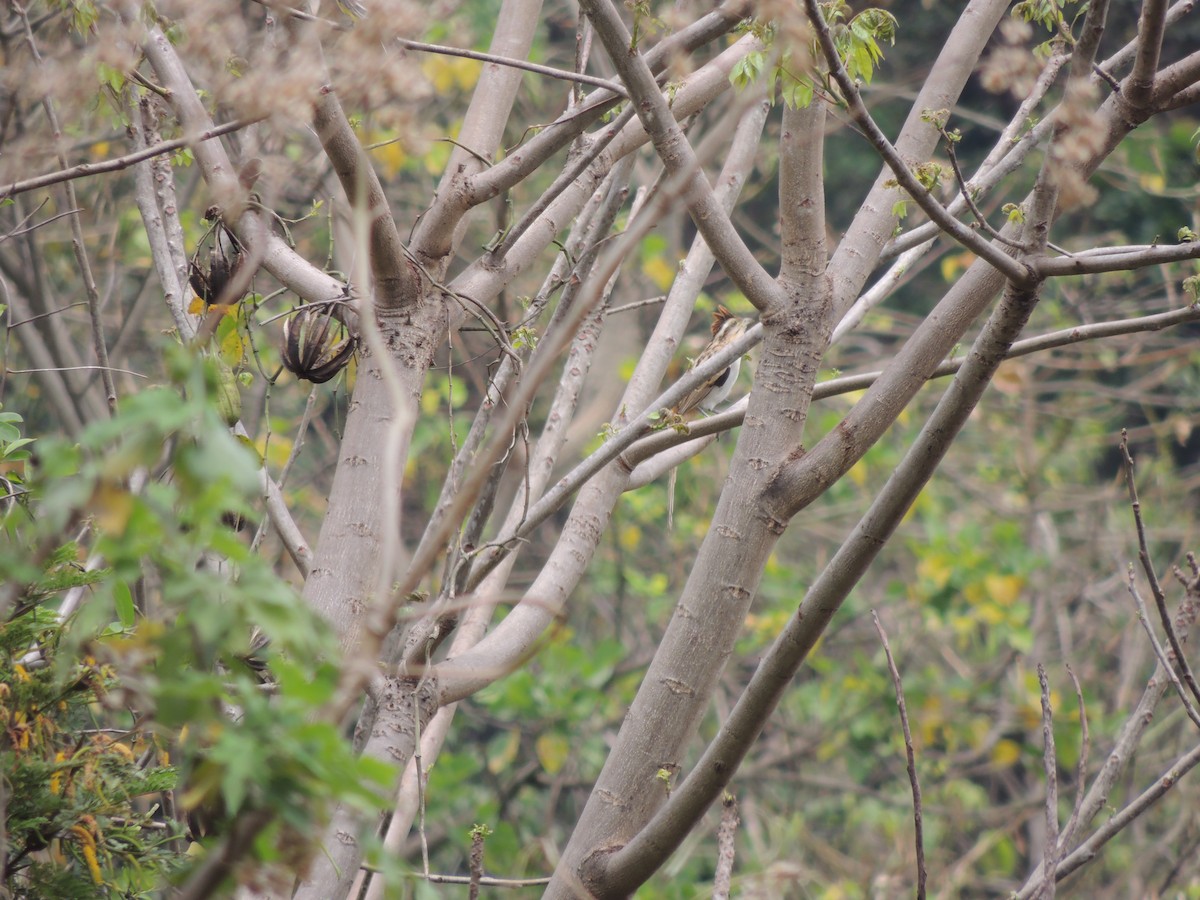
(858, 473)
(553, 750)
(630, 537)
(391, 156)
(936, 568)
(1011, 377)
(659, 271)
(196, 307)
(113, 506)
(466, 72)
(276, 452)
(1004, 589)
(954, 265)
(233, 348)
(1152, 182)
(502, 760)
(448, 72)
(1005, 753)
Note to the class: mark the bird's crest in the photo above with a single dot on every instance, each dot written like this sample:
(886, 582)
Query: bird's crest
(720, 316)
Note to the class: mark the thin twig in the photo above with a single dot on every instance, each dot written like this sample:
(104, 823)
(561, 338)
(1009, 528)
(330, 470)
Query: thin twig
(562, 74)
(1159, 653)
(1068, 832)
(965, 192)
(636, 304)
(1160, 600)
(36, 225)
(99, 344)
(83, 170)
(726, 833)
(74, 369)
(45, 315)
(910, 756)
(1014, 270)
(1050, 765)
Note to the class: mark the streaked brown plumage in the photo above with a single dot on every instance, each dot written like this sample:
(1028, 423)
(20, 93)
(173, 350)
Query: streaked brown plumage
(726, 328)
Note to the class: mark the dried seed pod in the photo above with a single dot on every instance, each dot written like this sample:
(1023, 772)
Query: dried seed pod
(210, 281)
(316, 343)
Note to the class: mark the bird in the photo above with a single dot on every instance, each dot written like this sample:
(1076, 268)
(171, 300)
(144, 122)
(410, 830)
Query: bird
(726, 329)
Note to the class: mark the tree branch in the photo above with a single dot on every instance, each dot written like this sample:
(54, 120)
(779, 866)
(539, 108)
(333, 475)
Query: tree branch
(295, 272)
(909, 756)
(859, 250)
(518, 165)
(1115, 259)
(678, 156)
(482, 282)
(396, 283)
(1139, 86)
(1050, 769)
(84, 170)
(521, 64)
(441, 228)
(1012, 269)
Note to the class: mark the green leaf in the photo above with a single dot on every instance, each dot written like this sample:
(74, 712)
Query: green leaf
(123, 601)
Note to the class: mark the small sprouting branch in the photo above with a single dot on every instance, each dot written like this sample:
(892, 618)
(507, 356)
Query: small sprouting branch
(478, 834)
(937, 119)
(910, 757)
(1014, 270)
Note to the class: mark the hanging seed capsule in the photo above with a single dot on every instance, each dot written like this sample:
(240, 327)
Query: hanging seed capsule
(229, 398)
(316, 343)
(209, 279)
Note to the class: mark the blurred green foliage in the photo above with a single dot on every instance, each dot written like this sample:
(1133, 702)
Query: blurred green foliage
(152, 664)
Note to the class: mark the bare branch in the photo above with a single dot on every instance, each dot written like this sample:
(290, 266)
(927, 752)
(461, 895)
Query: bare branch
(802, 194)
(1068, 832)
(1050, 768)
(171, 271)
(1151, 27)
(1115, 259)
(577, 77)
(678, 157)
(395, 281)
(858, 251)
(1088, 850)
(725, 847)
(441, 228)
(564, 180)
(910, 759)
(559, 133)
(84, 170)
(99, 344)
(1160, 601)
(1083, 54)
